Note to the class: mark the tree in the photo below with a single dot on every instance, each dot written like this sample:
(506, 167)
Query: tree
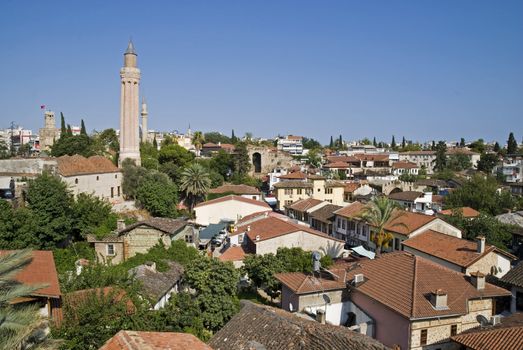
(481, 193)
(197, 141)
(132, 176)
(310, 143)
(374, 143)
(63, 128)
(89, 214)
(242, 163)
(314, 158)
(331, 144)
(487, 162)
(216, 137)
(195, 184)
(462, 142)
(24, 150)
(157, 194)
(215, 286)
(512, 144)
(83, 131)
(496, 148)
(233, 137)
(50, 203)
(478, 146)
(459, 162)
(440, 163)
(17, 322)
(223, 163)
(403, 142)
(17, 228)
(393, 143)
(71, 145)
(176, 154)
(379, 213)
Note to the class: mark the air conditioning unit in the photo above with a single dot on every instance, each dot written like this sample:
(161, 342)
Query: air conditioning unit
(494, 320)
(358, 278)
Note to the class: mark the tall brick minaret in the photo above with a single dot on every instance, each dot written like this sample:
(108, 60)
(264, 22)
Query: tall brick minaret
(129, 103)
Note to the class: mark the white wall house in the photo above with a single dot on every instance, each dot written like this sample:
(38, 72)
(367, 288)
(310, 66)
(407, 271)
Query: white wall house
(229, 207)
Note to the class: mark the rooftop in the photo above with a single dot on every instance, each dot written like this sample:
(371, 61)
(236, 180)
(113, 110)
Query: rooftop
(404, 165)
(235, 189)
(325, 213)
(134, 340)
(458, 251)
(234, 198)
(303, 204)
(235, 253)
(297, 175)
(351, 211)
(514, 276)
(154, 283)
(293, 184)
(79, 165)
(408, 196)
(269, 328)
(467, 212)
(41, 270)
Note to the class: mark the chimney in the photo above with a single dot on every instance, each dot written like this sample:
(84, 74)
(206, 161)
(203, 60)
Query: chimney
(438, 299)
(151, 265)
(481, 244)
(320, 316)
(248, 228)
(120, 224)
(358, 279)
(478, 280)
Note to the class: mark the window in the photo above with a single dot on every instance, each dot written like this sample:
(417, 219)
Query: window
(288, 191)
(423, 337)
(116, 176)
(288, 202)
(328, 191)
(329, 200)
(110, 250)
(343, 224)
(118, 191)
(299, 190)
(339, 222)
(188, 238)
(519, 301)
(112, 192)
(453, 330)
(98, 178)
(397, 244)
(240, 239)
(253, 197)
(76, 181)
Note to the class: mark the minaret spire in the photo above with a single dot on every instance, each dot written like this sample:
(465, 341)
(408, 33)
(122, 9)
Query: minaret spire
(144, 113)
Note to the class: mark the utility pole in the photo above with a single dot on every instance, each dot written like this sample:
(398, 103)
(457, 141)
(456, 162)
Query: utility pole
(12, 146)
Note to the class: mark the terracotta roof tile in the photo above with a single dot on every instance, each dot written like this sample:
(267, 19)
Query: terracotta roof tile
(337, 165)
(352, 210)
(458, 251)
(404, 165)
(297, 175)
(79, 165)
(350, 187)
(235, 253)
(134, 340)
(412, 222)
(514, 276)
(41, 270)
(304, 283)
(265, 327)
(508, 335)
(234, 198)
(325, 213)
(303, 204)
(409, 196)
(235, 189)
(467, 212)
(293, 184)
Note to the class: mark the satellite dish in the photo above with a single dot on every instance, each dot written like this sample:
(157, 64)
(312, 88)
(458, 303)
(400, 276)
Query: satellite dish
(483, 321)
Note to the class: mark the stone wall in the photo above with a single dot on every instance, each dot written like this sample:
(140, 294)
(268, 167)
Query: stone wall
(141, 239)
(101, 252)
(270, 159)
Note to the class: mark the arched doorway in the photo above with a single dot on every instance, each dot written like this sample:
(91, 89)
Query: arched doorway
(256, 161)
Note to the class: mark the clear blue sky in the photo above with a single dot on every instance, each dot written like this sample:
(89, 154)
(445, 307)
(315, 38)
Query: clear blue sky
(423, 69)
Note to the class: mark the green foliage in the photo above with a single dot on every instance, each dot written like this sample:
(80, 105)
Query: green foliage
(83, 131)
(487, 162)
(176, 154)
(262, 268)
(215, 285)
(223, 163)
(478, 146)
(90, 214)
(149, 156)
(65, 258)
(70, 145)
(132, 175)
(314, 158)
(393, 143)
(17, 322)
(512, 144)
(481, 193)
(495, 232)
(157, 194)
(17, 228)
(310, 143)
(247, 180)
(459, 162)
(440, 163)
(195, 183)
(50, 203)
(411, 147)
(216, 137)
(242, 162)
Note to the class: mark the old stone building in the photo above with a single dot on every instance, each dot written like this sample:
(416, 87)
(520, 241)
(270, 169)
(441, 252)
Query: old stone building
(265, 159)
(139, 237)
(49, 133)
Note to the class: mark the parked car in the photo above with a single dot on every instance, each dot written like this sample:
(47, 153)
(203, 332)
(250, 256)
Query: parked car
(6, 194)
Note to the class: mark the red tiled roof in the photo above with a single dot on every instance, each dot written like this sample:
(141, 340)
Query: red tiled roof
(351, 211)
(303, 283)
(304, 204)
(236, 189)
(337, 165)
(408, 222)
(404, 165)
(235, 253)
(467, 212)
(508, 335)
(271, 227)
(409, 196)
(297, 175)
(79, 165)
(234, 198)
(458, 251)
(373, 157)
(134, 340)
(351, 187)
(460, 151)
(41, 270)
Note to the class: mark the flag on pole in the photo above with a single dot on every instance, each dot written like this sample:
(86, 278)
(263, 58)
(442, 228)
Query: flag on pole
(42, 107)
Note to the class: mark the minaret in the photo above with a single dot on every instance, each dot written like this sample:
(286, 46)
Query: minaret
(129, 103)
(144, 121)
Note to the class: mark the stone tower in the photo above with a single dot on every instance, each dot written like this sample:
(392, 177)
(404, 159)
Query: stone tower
(48, 134)
(145, 131)
(129, 103)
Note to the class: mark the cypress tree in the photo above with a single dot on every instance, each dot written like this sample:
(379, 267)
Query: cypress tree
(155, 143)
(403, 142)
(512, 144)
(393, 143)
(433, 147)
(63, 129)
(496, 147)
(374, 142)
(82, 129)
(340, 141)
(462, 142)
(69, 130)
(331, 144)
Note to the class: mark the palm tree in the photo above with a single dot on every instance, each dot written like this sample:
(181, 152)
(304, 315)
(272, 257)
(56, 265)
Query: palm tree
(197, 140)
(378, 213)
(195, 182)
(17, 321)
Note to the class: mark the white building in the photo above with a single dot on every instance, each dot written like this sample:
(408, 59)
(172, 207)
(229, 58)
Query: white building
(291, 144)
(227, 208)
